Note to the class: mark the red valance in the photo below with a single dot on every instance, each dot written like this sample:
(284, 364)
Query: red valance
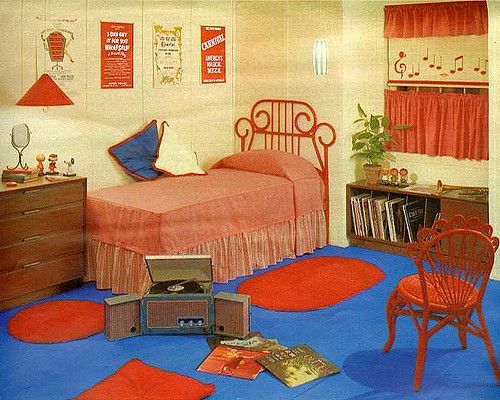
(436, 19)
(442, 124)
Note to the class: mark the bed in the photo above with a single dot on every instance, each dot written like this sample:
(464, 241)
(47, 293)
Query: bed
(250, 210)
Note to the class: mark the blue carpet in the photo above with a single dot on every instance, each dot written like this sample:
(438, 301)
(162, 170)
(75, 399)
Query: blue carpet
(350, 334)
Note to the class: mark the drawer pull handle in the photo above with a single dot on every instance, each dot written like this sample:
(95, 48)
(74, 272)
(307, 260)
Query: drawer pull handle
(32, 264)
(31, 211)
(29, 239)
(32, 192)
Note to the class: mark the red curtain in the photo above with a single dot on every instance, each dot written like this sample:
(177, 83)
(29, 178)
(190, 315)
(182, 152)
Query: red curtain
(436, 19)
(442, 124)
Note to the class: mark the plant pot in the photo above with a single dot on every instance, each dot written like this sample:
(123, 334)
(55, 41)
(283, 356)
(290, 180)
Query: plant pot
(372, 173)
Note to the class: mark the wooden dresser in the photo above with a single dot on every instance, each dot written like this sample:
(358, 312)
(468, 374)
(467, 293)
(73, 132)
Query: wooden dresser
(42, 239)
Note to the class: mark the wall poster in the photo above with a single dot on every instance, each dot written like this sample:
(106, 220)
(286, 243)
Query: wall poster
(167, 55)
(117, 55)
(439, 61)
(55, 55)
(213, 54)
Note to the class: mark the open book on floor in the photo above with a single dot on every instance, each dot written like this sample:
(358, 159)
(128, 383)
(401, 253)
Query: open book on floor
(298, 365)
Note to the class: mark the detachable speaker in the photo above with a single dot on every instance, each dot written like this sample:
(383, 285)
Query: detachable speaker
(122, 316)
(232, 314)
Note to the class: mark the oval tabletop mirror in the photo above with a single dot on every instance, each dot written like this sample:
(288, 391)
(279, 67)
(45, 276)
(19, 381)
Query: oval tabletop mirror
(20, 138)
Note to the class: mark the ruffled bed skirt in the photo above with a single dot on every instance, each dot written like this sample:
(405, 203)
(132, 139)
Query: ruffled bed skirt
(124, 271)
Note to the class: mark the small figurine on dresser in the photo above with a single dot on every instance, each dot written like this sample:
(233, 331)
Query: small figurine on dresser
(384, 176)
(52, 164)
(403, 177)
(394, 176)
(40, 158)
(69, 167)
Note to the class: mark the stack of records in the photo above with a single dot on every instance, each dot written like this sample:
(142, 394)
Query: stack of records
(19, 175)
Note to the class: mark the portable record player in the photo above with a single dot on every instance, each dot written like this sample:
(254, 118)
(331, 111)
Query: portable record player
(180, 299)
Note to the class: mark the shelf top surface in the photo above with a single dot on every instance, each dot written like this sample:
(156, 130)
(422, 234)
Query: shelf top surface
(428, 190)
(416, 189)
(39, 182)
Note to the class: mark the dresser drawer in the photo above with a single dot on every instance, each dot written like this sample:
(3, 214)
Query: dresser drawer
(39, 222)
(41, 276)
(39, 197)
(40, 248)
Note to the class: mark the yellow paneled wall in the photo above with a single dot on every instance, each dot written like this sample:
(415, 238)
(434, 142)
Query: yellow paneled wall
(202, 114)
(269, 50)
(273, 50)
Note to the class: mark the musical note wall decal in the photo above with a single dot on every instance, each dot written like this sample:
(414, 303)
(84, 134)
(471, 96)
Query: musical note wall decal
(461, 67)
(444, 62)
(478, 64)
(440, 65)
(433, 62)
(426, 57)
(400, 67)
(483, 72)
(417, 72)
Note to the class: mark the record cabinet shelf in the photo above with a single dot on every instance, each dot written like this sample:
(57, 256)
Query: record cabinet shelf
(445, 205)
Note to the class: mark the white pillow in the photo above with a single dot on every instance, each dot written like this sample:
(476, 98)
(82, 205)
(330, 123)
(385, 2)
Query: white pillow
(174, 156)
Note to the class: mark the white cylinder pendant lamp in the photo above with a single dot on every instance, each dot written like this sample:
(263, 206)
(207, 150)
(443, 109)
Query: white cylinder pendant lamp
(320, 57)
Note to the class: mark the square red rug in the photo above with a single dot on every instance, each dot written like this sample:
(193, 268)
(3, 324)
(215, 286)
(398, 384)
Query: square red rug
(136, 380)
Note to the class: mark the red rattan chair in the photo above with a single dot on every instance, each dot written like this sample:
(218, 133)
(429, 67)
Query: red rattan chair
(454, 259)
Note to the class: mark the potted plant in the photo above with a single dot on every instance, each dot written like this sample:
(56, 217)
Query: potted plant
(369, 143)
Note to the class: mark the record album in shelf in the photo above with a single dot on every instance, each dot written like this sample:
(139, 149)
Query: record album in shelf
(414, 218)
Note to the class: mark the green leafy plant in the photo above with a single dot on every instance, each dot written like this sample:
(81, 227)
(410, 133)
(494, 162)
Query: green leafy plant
(369, 142)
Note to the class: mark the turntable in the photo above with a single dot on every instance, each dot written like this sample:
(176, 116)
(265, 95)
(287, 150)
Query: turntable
(180, 299)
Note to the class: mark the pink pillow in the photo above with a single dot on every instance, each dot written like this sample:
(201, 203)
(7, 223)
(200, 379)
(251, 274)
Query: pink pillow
(270, 162)
(136, 380)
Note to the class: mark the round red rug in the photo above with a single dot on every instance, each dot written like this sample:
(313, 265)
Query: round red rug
(311, 283)
(57, 321)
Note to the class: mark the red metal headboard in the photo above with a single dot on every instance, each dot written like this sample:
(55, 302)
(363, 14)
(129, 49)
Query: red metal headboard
(285, 125)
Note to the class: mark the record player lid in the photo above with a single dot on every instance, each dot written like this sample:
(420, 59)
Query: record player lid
(162, 268)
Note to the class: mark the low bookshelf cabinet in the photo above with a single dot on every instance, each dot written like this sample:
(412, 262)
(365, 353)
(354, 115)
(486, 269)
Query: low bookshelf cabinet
(434, 205)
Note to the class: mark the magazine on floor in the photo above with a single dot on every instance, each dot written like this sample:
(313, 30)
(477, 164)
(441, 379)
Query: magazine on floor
(233, 361)
(254, 341)
(298, 365)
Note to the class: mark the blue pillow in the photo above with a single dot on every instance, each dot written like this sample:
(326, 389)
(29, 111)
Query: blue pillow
(137, 153)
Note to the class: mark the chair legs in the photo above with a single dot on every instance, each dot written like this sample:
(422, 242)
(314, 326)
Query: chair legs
(463, 321)
(391, 320)
(488, 343)
(423, 339)
(396, 305)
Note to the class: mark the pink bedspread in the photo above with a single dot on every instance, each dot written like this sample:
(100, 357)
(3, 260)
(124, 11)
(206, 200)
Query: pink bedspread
(171, 214)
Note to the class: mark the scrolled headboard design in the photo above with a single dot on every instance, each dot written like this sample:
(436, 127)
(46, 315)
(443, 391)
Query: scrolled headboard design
(285, 125)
